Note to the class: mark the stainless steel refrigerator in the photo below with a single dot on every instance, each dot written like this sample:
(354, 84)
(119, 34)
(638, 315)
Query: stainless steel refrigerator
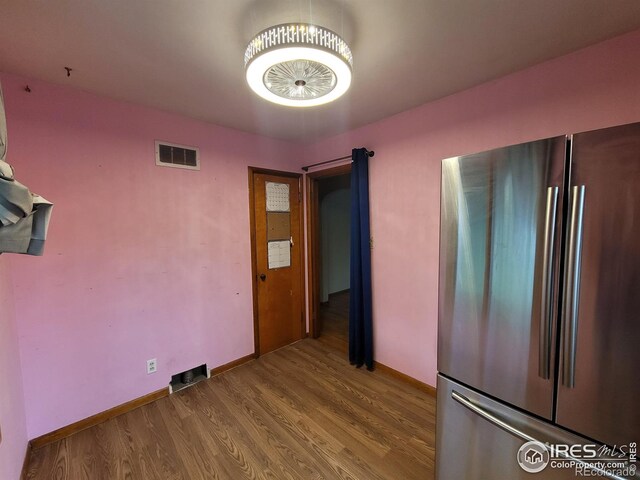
(539, 309)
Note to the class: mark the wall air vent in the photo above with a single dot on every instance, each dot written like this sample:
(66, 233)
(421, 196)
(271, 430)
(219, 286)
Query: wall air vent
(178, 156)
(188, 378)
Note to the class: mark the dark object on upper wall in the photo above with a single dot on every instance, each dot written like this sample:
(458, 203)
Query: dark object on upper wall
(24, 216)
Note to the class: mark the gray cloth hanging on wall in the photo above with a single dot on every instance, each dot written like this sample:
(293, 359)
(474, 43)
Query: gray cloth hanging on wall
(24, 216)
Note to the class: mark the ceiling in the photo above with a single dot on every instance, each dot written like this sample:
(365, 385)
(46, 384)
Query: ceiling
(187, 56)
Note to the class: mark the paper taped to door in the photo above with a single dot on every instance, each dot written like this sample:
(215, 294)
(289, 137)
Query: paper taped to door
(279, 254)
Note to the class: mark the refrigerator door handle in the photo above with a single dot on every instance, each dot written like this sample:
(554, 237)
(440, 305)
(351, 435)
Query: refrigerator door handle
(516, 432)
(490, 417)
(572, 287)
(544, 345)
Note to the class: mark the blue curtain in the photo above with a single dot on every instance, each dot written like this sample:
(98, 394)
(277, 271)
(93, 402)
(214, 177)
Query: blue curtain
(360, 318)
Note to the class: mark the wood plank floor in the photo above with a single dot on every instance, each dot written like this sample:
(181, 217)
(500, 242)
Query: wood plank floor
(301, 412)
(334, 316)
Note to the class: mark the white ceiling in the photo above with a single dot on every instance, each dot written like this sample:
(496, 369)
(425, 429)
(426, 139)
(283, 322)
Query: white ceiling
(187, 56)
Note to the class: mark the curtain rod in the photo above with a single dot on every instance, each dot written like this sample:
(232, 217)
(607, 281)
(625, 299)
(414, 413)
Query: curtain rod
(306, 169)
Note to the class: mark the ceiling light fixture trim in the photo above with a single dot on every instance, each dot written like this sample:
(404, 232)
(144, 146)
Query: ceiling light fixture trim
(298, 64)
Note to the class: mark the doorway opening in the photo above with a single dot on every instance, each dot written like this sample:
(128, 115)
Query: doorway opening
(328, 224)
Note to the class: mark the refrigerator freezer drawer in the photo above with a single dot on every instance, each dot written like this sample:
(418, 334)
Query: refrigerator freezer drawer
(479, 439)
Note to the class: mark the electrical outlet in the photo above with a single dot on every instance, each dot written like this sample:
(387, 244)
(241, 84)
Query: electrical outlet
(152, 365)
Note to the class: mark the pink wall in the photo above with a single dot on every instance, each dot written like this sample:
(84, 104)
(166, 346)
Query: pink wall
(141, 261)
(12, 415)
(144, 261)
(593, 88)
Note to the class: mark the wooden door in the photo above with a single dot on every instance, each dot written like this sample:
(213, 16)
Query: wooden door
(277, 243)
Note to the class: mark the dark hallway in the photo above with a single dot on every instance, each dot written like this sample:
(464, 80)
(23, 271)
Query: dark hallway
(334, 316)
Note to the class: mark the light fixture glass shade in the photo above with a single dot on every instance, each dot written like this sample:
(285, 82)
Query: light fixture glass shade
(298, 65)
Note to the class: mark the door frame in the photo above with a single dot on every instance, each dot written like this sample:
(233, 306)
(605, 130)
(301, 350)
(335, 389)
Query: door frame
(254, 260)
(313, 230)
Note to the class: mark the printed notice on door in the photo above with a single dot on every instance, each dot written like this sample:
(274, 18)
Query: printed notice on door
(277, 197)
(279, 254)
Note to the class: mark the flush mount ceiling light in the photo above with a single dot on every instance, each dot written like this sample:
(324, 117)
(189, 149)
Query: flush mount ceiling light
(298, 65)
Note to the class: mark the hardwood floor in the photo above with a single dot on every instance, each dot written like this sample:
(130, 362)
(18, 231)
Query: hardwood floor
(301, 412)
(334, 316)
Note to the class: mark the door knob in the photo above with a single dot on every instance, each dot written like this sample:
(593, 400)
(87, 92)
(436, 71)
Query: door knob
(263, 277)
